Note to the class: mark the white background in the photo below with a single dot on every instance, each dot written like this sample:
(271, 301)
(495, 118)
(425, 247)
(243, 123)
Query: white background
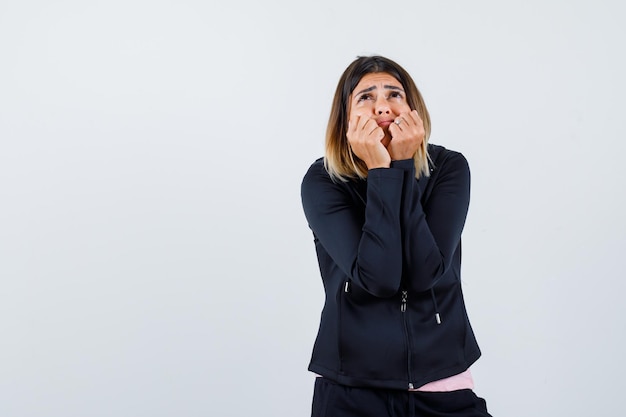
(154, 258)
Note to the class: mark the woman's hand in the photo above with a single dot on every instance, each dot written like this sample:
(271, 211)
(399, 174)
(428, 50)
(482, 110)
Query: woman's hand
(407, 135)
(365, 138)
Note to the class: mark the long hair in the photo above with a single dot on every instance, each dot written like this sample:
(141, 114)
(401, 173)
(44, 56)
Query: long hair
(340, 162)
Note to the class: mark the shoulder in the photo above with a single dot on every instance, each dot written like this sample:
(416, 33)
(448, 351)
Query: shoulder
(316, 180)
(316, 173)
(318, 187)
(317, 166)
(446, 159)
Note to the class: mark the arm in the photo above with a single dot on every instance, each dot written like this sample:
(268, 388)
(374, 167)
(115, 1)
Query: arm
(368, 250)
(433, 233)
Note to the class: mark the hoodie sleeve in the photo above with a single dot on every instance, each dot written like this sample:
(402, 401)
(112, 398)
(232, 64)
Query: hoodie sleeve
(368, 250)
(431, 234)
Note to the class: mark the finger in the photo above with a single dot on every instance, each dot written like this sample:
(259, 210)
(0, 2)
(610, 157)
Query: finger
(353, 123)
(414, 115)
(363, 122)
(402, 122)
(394, 130)
(398, 125)
(419, 123)
(410, 122)
(370, 126)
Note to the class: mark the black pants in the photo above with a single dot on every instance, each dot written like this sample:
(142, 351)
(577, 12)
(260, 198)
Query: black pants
(333, 400)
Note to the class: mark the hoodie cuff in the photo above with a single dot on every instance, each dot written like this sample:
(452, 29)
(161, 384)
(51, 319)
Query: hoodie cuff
(404, 164)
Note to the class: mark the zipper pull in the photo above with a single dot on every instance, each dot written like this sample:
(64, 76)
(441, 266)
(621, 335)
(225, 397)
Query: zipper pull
(405, 295)
(346, 287)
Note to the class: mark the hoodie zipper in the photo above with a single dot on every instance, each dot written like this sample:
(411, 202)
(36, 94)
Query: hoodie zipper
(405, 296)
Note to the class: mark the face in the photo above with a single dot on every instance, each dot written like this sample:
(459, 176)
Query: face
(379, 96)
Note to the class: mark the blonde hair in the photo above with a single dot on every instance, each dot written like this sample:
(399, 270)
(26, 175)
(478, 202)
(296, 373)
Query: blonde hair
(340, 162)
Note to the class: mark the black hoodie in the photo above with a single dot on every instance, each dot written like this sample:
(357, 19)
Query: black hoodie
(389, 252)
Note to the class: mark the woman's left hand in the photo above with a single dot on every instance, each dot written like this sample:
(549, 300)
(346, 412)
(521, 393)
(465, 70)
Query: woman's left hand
(407, 135)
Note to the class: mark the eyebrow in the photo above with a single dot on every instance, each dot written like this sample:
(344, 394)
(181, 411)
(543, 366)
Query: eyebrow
(372, 88)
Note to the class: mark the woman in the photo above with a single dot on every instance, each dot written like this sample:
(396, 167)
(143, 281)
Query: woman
(387, 211)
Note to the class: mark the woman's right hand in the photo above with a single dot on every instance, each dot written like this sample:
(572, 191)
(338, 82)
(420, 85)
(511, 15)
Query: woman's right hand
(365, 138)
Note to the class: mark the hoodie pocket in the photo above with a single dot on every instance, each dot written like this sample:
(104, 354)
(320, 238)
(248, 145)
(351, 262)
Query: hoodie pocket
(372, 340)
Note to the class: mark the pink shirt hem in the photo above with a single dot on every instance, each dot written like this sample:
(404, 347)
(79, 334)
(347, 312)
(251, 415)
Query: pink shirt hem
(463, 380)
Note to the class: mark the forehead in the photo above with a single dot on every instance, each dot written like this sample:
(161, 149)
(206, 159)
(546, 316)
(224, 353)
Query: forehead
(378, 79)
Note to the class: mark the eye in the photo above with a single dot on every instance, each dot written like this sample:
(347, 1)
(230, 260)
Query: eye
(364, 97)
(395, 94)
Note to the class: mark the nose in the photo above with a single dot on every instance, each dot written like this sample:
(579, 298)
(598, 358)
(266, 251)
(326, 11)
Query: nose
(382, 107)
